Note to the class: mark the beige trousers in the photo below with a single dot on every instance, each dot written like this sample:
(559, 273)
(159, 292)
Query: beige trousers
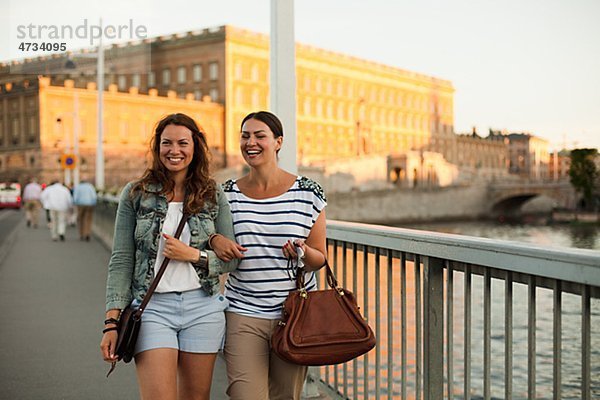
(84, 220)
(254, 371)
(32, 211)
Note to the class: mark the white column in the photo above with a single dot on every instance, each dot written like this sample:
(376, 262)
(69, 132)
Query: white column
(99, 145)
(283, 78)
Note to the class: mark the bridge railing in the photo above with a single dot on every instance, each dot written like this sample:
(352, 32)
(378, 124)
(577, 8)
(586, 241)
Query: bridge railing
(458, 316)
(105, 214)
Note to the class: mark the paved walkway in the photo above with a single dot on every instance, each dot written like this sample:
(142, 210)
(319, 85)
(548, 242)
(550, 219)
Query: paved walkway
(52, 298)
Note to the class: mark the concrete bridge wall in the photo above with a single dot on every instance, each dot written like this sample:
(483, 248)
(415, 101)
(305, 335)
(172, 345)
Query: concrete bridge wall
(415, 205)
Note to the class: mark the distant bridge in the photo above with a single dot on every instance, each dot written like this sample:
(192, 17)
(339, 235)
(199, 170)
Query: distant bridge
(481, 200)
(507, 198)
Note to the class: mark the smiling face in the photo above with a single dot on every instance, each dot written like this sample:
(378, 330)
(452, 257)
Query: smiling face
(176, 150)
(258, 143)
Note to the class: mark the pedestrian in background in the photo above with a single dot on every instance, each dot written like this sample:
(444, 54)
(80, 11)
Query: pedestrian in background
(84, 197)
(31, 197)
(57, 198)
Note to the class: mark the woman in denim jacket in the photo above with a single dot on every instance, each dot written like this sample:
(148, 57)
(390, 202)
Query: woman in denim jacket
(184, 321)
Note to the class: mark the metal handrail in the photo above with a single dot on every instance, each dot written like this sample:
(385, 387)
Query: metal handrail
(572, 265)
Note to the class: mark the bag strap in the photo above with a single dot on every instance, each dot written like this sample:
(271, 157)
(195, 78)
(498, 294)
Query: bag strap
(161, 271)
(331, 280)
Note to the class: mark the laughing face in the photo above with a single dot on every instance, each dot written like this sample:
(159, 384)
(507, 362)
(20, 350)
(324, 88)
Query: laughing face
(176, 148)
(258, 143)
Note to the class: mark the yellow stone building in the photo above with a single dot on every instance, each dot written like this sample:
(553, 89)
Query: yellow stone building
(60, 113)
(346, 106)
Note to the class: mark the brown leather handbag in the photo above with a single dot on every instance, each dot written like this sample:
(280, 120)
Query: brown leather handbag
(321, 327)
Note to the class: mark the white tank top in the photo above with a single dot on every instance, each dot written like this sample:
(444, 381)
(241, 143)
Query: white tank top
(179, 276)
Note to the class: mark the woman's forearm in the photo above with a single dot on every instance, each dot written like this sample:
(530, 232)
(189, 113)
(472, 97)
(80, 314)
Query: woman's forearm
(313, 258)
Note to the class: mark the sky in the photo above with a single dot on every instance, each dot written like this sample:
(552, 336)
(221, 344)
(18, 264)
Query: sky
(517, 65)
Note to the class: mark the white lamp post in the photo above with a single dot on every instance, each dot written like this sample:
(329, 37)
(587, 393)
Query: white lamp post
(67, 141)
(100, 138)
(283, 77)
(99, 55)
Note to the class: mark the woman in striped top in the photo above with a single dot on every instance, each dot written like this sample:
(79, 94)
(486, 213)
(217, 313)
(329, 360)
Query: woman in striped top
(274, 213)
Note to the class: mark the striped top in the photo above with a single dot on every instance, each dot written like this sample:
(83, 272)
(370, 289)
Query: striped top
(260, 284)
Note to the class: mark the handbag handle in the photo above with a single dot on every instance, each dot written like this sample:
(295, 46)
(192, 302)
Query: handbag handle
(331, 279)
(161, 271)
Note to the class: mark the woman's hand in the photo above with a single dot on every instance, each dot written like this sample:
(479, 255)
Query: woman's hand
(312, 257)
(226, 249)
(108, 345)
(289, 248)
(175, 249)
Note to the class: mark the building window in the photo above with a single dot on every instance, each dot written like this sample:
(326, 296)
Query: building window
(255, 99)
(213, 71)
(254, 72)
(135, 80)
(340, 111)
(151, 79)
(166, 77)
(239, 96)
(32, 129)
(330, 109)
(197, 72)
(214, 94)
(181, 75)
(238, 71)
(197, 94)
(307, 106)
(15, 131)
(122, 82)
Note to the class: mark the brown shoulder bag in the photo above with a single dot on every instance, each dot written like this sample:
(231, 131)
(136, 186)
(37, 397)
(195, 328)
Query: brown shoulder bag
(321, 327)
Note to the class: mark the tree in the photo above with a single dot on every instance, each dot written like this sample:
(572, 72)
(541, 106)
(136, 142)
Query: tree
(584, 174)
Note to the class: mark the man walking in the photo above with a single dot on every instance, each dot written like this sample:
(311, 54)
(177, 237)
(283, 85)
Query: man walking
(84, 197)
(31, 198)
(57, 198)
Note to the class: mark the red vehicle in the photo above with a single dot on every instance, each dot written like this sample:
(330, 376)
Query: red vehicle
(10, 195)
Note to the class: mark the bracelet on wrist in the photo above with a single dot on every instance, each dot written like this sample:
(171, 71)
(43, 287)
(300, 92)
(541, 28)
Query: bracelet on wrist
(110, 328)
(111, 321)
(210, 238)
(202, 261)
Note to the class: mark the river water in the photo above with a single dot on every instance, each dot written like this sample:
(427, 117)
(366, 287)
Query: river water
(582, 236)
(566, 235)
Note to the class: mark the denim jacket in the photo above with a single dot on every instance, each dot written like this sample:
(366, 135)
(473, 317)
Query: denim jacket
(137, 232)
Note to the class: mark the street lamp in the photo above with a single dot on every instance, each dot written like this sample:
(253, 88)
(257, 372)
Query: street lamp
(99, 55)
(76, 130)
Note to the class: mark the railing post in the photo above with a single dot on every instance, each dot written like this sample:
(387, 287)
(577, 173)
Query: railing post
(433, 327)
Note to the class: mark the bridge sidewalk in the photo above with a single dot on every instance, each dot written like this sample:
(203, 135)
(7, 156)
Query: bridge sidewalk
(52, 295)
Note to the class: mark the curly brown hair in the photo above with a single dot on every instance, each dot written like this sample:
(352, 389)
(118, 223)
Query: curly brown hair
(199, 186)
